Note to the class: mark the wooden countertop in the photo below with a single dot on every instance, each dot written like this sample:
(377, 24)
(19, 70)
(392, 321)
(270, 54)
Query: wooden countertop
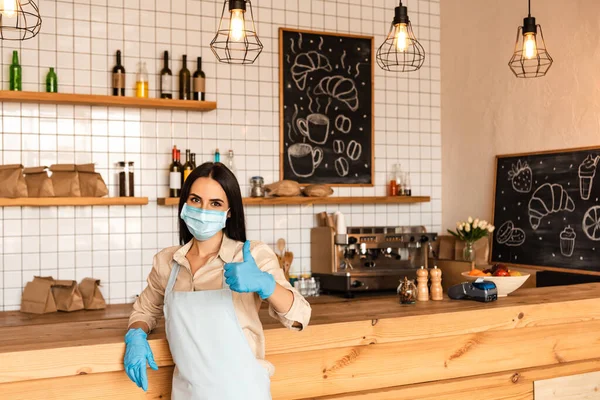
(369, 348)
(21, 332)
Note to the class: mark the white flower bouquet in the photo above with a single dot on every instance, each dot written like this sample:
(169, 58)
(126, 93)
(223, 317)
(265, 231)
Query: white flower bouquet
(472, 230)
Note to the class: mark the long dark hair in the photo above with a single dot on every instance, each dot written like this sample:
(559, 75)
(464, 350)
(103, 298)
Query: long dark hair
(235, 228)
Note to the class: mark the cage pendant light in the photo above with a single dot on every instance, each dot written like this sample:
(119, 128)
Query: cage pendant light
(401, 51)
(236, 41)
(530, 59)
(19, 19)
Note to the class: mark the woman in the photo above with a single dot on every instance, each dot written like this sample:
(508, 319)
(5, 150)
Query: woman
(211, 289)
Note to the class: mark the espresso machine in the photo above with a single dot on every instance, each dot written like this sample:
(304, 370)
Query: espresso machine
(368, 258)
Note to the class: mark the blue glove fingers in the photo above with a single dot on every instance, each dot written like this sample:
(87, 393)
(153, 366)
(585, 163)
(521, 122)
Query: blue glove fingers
(143, 377)
(150, 358)
(268, 286)
(246, 252)
(131, 374)
(229, 270)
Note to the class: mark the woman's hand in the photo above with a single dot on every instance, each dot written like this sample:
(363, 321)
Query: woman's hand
(246, 277)
(137, 353)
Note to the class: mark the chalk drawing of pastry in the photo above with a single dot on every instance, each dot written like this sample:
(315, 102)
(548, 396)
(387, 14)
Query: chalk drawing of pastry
(567, 241)
(548, 199)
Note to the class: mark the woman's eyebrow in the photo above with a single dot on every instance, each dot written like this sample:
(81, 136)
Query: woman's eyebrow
(216, 200)
(195, 195)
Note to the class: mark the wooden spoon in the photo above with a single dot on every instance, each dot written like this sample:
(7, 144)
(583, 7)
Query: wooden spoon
(288, 257)
(280, 247)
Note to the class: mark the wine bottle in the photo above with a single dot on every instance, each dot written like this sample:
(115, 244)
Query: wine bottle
(166, 78)
(141, 81)
(194, 160)
(199, 82)
(118, 77)
(187, 167)
(174, 176)
(185, 91)
(15, 72)
(51, 81)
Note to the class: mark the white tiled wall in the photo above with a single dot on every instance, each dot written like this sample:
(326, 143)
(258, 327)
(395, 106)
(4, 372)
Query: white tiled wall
(116, 244)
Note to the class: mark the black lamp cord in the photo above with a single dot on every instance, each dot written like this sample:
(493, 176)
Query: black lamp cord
(529, 8)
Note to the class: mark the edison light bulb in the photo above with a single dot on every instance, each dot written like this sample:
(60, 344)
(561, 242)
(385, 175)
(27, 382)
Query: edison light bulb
(237, 28)
(9, 8)
(529, 46)
(401, 37)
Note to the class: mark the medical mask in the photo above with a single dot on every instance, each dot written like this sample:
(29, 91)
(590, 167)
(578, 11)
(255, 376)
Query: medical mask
(203, 224)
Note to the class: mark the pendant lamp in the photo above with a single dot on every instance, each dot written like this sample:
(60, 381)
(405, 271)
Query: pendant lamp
(401, 51)
(530, 59)
(19, 19)
(236, 41)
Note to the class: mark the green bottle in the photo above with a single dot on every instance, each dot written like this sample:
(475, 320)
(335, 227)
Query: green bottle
(51, 81)
(15, 72)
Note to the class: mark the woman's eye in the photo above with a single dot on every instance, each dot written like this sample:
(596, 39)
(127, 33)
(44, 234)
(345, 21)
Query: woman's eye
(215, 204)
(195, 200)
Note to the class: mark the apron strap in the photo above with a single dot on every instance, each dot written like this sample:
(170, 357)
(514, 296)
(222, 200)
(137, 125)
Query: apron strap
(172, 278)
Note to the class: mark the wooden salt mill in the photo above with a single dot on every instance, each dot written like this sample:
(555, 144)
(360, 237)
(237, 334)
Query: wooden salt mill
(422, 290)
(437, 292)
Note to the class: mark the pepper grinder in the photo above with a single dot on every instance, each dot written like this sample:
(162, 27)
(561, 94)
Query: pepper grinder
(422, 290)
(436, 284)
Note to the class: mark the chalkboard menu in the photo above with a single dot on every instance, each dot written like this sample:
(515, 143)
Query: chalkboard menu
(326, 108)
(547, 209)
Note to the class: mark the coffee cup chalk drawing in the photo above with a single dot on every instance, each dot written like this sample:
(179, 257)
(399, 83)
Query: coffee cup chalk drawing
(315, 127)
(326, 130)
(548, 199)
(304, 159)
(567, 241)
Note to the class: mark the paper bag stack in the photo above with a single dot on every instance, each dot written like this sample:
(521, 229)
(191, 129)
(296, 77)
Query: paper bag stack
(46, 295)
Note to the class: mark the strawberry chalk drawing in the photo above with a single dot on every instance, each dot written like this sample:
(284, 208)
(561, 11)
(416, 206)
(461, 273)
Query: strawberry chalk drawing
(521, 177)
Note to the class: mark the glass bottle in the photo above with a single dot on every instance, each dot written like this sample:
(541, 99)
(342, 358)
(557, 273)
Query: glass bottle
(407, 186)
(257, 189)
(217, 155)
(187, 167)
(185, 91)
(126, 179)
(194, 160)
(51, 81)
(199, 82)
(174, 176)
(15, 73)
(407, 291)
(118, 77)
(141, 82)
(230, 163)
(393, 185)
(166, 79)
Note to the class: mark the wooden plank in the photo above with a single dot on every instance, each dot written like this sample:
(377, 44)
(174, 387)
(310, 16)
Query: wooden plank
(299, 200)
(508, 385)
(108, 101)
(73, 201)
(572, 387)
(346, 370)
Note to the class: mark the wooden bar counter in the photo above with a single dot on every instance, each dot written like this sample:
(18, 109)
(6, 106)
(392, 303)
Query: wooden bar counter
(366, 348)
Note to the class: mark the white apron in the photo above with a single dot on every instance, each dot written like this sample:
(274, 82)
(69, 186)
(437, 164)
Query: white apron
(213, 360)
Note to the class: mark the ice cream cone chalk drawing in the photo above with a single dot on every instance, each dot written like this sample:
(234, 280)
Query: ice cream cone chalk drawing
(587, 171)
(567, 241)
(422, 290)
(437, 292)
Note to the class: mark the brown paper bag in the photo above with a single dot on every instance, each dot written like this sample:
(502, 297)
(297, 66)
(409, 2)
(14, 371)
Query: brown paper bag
(92, 297)
(65, 180)
(37, 297)
(67, 296)
(12, 182)
(38, 182)
(91, 183)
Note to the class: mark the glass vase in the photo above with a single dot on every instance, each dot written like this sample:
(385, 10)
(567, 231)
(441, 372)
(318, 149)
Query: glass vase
(469, 252)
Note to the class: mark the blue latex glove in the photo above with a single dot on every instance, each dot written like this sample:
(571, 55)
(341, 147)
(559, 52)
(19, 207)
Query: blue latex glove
(137, 353)
(246, 277)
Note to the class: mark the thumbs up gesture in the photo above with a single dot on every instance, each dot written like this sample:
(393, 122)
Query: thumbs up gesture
(245, 276)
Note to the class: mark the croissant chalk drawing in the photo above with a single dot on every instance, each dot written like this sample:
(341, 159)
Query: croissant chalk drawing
(339, 88)
(306, 63)
(548, 199)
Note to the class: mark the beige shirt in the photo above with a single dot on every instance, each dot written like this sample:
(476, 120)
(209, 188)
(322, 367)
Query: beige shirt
(149, 306)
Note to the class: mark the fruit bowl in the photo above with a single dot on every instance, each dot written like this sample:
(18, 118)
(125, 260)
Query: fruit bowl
(504, 284)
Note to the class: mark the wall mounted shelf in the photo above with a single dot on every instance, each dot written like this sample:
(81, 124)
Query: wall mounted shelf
(73, 201)
(109, 101)
(282, 201)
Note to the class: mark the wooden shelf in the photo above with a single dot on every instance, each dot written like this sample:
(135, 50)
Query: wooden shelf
(100, 100)
(282, 201)
(73, 201)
